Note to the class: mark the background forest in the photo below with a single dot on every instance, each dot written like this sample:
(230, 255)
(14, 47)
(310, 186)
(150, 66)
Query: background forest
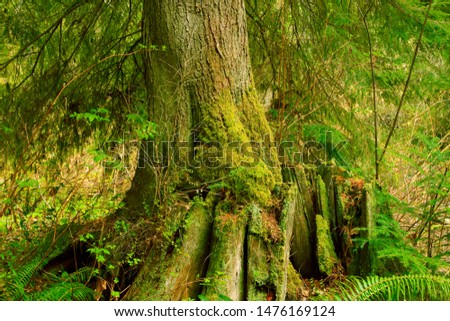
(358, 91)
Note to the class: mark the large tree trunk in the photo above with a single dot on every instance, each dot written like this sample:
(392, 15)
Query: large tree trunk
(201, 93)
(203, 99)
(239, 235)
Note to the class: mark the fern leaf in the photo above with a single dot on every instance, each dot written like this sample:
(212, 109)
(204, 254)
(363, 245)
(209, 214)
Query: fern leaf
(64, 292)
(395, 288)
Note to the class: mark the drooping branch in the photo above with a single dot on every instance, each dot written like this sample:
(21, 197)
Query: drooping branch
(394, 124)
(50, 30)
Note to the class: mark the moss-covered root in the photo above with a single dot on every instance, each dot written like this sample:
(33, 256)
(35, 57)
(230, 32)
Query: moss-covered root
(269, 250)
(175, 275)
(258, 277)
(326, 254)
(225, 274)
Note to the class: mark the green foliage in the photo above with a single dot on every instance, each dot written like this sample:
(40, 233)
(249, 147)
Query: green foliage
(16, 281)
(145, 129)
(94, 115)
(387, 243)
(395, 288)
(312, 65)
(113, 254)
(73, 291)
(428, 158)
(72, 74)
(67, 287)
(327, 143)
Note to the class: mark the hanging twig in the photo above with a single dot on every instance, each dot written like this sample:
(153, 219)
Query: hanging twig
(375, 113)
(407, 83)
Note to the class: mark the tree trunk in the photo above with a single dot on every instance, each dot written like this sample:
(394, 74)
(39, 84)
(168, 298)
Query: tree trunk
(202, 97)
(214, 142)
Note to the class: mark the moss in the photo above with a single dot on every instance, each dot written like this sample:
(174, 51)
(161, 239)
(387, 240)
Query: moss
(225, 271)
(326, 254)
(303, 252)
(174, 276)
(264, 225)
(258, 276)
(252, 184)
(295, 286)
(341, 209)
(323, 197)
(278, 272)
(256, 225)
(220, 121)
(232, 135)
(368, 207)
(289, 208)
(257, 126)
(268, 253)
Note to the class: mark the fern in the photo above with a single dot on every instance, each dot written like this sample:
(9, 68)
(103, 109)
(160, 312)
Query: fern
(83, 275)
(18, 280)
(394, 288)
(73, 291)
(66, 288)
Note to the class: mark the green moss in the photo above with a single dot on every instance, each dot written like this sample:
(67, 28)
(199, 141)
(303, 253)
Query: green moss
(225, 271)
(233, 135)
(221, 122)
(258, 262)
(326, 255)
(342, 212)
(295, 286)
(174, 275)
(368, 207)
(289, 207)
(257, 126)
(323, 196)
(256, 225)
(252, 184)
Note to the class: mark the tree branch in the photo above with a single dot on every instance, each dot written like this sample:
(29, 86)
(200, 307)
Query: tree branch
(406, 84)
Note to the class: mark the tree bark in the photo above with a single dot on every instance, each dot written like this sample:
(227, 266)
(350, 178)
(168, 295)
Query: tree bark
(237, 238)
(202, 97)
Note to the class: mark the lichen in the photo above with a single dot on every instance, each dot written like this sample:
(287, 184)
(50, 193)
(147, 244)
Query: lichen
(326, 254)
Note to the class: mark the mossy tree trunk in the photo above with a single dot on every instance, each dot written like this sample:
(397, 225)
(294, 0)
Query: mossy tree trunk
(202, 97)
(246, 235)
(200, 92)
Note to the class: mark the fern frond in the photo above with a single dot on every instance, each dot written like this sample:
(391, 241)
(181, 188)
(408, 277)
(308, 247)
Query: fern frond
(82, 275)
(73, 291)
(18, 280)
(394, 288)
(23, 276)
